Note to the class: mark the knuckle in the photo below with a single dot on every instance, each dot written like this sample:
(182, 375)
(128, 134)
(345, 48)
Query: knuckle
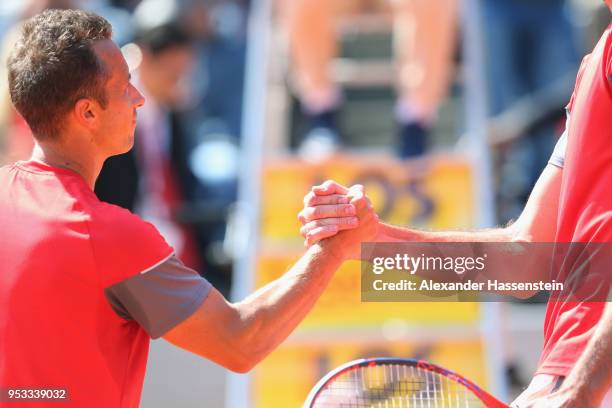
(313, 225)
(309, 213)
(318, 200)
(355, 196)
(329, 221)
(317, 224)
(356, 189)
(308, 198)
(316, 232)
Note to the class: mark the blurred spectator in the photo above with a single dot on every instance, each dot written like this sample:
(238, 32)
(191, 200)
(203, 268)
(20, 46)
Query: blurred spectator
(213, 124)
(188, 60)
(530, 45)
(424, 37)
(148, 179)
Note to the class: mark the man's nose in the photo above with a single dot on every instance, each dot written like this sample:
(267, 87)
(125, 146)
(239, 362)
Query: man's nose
(139, 98)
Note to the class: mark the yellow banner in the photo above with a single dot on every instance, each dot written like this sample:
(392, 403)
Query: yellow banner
(434, 195)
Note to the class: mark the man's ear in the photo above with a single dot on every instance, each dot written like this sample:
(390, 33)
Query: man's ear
(86, 112)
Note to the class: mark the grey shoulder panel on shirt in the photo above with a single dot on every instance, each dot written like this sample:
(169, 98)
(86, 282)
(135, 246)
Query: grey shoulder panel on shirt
(161, 298)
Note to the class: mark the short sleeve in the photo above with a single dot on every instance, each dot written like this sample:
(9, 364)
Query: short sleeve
(124, 245)
(161, 298)
(608, 54)
(558, 155)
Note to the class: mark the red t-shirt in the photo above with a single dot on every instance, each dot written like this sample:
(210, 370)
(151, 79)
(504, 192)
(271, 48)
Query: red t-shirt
(585, 207)
(60, 248)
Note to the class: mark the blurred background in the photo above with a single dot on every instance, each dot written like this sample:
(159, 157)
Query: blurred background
(446, 110)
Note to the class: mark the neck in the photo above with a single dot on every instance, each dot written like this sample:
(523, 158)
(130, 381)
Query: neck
(85, 165)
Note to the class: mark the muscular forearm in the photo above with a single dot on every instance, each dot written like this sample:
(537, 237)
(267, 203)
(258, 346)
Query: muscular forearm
(512, 261)
(391, 233)
(271, 313)
(592, 374)
(537, 222)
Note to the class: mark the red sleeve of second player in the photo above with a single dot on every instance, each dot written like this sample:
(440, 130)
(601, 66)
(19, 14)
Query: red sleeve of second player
(124, 245)
(583, 64)
(608, 62)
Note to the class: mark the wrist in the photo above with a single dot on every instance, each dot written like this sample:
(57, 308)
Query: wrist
(331, 249)
(391, 233)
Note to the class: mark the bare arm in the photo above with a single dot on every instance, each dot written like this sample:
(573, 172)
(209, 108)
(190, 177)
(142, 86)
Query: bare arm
(537, 222)
(592, 372)
(239, 335)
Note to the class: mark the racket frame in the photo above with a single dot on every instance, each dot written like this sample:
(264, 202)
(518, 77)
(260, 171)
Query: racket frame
(489, 400)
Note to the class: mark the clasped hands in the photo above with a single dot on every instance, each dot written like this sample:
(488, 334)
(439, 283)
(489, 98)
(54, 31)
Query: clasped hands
(341, 215)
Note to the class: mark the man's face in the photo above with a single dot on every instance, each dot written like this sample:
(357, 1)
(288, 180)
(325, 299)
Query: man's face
(116, 123)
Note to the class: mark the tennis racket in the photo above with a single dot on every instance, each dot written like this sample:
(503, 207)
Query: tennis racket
(395, 383)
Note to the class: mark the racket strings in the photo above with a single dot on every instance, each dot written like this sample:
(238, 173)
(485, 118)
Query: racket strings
(395, 386)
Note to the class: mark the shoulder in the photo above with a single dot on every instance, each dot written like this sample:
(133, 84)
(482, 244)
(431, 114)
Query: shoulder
(607, 60)
(124, 244)
(583, 65)
(105, 216)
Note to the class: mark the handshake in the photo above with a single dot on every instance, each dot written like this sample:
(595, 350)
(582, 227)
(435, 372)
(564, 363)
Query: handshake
(338, 216)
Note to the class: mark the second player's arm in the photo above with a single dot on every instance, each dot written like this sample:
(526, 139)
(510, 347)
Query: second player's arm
(590, 378)
(537, 223)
